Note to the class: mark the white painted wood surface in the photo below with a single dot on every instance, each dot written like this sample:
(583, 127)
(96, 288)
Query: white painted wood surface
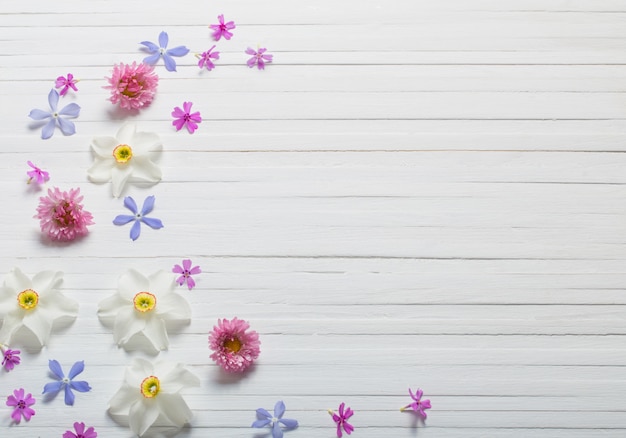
(414, 194)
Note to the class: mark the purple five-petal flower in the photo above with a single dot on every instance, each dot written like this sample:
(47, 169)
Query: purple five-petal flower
(71, 110)
(138, 216)
(161, 50)
(264, 418)
(341, 419)
(10, 358)
(259, 58)
(222, 29)
(206, 59)
(186, 272)
(66, 83)
(66, 382)
(22, 405)
(184, 117)
(81, 432)
(418, 405)
(40, 176)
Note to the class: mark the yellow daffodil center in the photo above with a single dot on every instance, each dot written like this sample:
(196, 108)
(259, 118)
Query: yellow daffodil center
(144, 302)
(150, 387)
(232, 344)
(28, 299)
(122, 153)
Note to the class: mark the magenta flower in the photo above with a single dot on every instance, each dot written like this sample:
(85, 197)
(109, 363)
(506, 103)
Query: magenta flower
(40, 176)
(61, 215)
(66, 83)
(80, 432)
(342, 419)
(133, 86)
(184, 117)
(186, 272)
(418, 405)
(206, 58)
(21, 404)
(259, 58)
(234, 348)
(10, 358)
(222, 29)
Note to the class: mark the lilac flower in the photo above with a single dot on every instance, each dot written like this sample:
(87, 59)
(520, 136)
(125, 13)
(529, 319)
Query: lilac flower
(10, 358)
(258, 58)
(71, 110)
(81, 432)
(66, 83)
(186, 272)
(67, 382)
(184, 117)
(138, 217)
(206, 59)
(342, 419)
(418, 405)
(21, 404)
(160, 50)
(264, 418)
(222, 29)
(40, 176)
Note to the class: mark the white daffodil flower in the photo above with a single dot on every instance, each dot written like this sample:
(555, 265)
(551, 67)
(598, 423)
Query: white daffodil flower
(150, 396)
(144, 305)
(30, 308)
(127, 157)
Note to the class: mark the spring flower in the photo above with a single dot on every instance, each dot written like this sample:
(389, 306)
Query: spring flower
(66, 83)
(32, 307)
(66, 382)
(150, 393)
(258, 58)
(185, 117)
(342, 419)
(127, 157)
(161, 50)
(40, 176)
(61, 215)
(21, 404)
(222, 29)
(133, 86)
(264, 418)
(144, 305)
(186, 272)
(234, 349)
(81, 432)
(206, 58)
(138, 216)
(71, 110)
(418, 405)
(10, 358)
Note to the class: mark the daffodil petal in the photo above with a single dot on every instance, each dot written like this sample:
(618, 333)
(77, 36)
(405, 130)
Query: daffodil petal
(178, 378)
(39, 325)
(141, 416)
(121, 400)
(47, 280)
(100, 171)
(119, 178)
(174, 408)
(103, 146)
(126, 133)
(127, 325)
(16, 281)
(154, 330)
(145, 170)
(132, 282)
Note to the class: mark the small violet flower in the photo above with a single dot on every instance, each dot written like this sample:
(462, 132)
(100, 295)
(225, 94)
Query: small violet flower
(264, 418)
(418, 405)
(71, 110)
(342, 419)
(184, 117)
(67, 382)
(258, 58)
(40, 176)
(186, 272)
(222, 29)
(80, 432)
(206, 58)
(161, 50)
(138, 216)
(10, 358)
(21, 404)
(66, 83)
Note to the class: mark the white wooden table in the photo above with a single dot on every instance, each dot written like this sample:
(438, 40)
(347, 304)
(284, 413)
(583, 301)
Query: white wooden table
(415, 193)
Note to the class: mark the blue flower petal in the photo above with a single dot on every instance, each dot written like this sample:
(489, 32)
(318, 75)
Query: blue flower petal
(135, 230)
(277, 432)
(290, 424)
(153, 223)
(170, 64)
(38, 114)
(152, 59)
(261, 423)
(279, 409)
(260, 413)
(70, 110)
(80, 386)
(77, 368)
(48, 130)
(53, 99)
(130, 203)
(69, 396)
(52, 387)
(67, 127)
(55, 367)
(123, 219)
(148, 205)
(152, 48)
(163, 39)
(178, 51)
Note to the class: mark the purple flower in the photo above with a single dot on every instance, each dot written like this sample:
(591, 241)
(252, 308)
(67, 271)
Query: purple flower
(161, 50)
(67, 382)
(40, 176)
(138, 217)
(206, 59)
(258, 58)
(22, 405)
(184, 117)
(264, 418)
(66, 83)
(342, 419)
(186, 272)
(418, 405)
(10, 358)
(71, 110)
(222, 29)
(80, 432)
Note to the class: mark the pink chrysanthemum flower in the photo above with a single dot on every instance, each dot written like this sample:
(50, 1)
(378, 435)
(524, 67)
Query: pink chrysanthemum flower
(234, 348)
(61, 215)
(133, 86)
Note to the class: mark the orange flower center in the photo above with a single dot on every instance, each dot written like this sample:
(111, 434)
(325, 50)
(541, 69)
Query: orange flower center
(232, 344)
(150, 387)
(144, 302)
(122, 153)
(28, 299)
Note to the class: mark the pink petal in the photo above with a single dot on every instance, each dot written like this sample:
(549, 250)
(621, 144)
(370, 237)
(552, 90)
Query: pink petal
(191, 126)
(195, 270)
(178, 123)
(187, 107)
(16, 415)
(178, 113)
(190, 283)
(186, 264)
(177, 269)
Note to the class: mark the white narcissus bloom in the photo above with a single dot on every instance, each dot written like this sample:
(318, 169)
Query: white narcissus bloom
(150, 396)
(30, 308)
(144, 305)
(127, 157)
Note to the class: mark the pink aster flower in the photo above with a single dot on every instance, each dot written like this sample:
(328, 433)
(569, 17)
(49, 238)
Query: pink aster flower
(81, 432)
(222, 29)
(259, 58)
(418, 405)
(342, 419)
(66, 83)
(21, 404)
(186, 272)
(184, 117)
(61, 215)
(206, 58)
(40, 176)
(132, 85)
(234, 348)
(10, 358)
